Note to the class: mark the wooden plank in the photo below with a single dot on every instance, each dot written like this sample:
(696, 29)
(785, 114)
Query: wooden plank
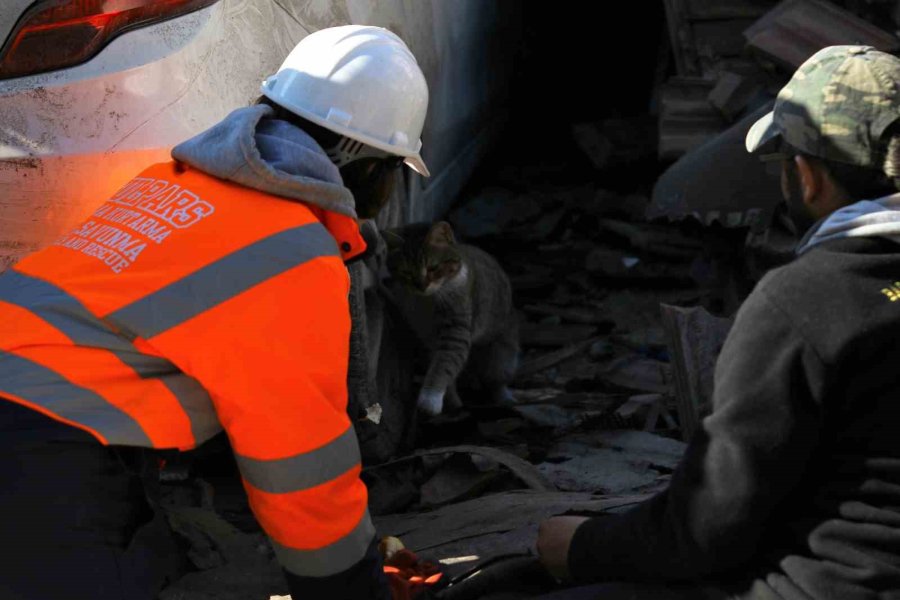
(695, 340)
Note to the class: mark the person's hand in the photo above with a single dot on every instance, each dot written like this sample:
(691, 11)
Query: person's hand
(554, 538)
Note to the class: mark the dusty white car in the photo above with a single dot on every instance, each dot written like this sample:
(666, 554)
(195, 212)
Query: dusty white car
(93, 91)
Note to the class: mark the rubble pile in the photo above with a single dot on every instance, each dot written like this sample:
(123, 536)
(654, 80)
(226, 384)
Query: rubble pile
(597, 423)
(596, 426)
(624, 282)
(728, 60)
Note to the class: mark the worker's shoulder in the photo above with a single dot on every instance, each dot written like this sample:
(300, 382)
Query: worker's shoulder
(836, 271)
(838, 290)
(804, 276)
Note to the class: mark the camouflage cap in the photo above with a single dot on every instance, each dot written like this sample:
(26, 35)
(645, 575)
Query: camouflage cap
(836, 106)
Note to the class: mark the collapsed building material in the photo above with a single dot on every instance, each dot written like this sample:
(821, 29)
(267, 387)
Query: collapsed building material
(458, 479)
(686, 118)
(796, 29)
(642, 374)
(704, 33)
(548, 415)
(732, 93)
(719, 182)
(616, 142)
(522, 469)
(545, 361)
(662, 241)
(577, 467)
(650, 408)
(659, 451)
(551, 334)
(696, 338)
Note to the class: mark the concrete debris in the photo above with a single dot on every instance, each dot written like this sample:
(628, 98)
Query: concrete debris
(658, 450)
(796, 29)
(606, 383)
(616, 142)
(577, 467)
(733, 93)
(686, 118)
(705, 33)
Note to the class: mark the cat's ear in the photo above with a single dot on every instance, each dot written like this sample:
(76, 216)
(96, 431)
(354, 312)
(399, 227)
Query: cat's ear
(392, 239)
(441, 234)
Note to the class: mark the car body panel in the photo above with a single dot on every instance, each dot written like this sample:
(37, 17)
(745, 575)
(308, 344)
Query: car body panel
(70, 138)
(9, 16)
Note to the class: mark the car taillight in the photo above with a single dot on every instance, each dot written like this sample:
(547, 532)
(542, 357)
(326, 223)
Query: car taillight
(54, 34)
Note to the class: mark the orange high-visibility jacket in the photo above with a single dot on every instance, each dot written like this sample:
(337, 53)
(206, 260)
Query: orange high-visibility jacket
(188, 304)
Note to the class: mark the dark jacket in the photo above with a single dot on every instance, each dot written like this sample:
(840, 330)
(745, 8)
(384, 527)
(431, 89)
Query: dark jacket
(791, 489)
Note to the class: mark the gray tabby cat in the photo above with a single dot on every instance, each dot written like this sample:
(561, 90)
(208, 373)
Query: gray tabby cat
(459, 301)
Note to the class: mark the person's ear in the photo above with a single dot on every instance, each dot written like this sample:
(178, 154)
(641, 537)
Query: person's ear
(810, 178)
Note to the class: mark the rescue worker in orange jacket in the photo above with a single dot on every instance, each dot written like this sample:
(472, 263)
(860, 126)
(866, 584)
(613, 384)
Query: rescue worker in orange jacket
(208, 293)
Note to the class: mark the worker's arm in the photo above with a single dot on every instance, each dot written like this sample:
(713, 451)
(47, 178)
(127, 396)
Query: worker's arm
(274, 359)
(749, 455)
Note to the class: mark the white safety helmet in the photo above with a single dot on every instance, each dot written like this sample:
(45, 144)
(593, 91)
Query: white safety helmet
(358, 81)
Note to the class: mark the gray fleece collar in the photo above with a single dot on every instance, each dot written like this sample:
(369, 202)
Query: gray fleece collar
(229, 151)
(866, 218)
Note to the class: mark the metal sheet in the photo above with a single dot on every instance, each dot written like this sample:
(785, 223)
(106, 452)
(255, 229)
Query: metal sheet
(719, 182)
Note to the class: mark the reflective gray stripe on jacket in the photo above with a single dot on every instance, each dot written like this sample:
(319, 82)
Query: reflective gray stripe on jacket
(44, 387)
(332, 559)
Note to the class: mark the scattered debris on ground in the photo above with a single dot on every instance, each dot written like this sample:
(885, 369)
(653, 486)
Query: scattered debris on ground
(624, 288)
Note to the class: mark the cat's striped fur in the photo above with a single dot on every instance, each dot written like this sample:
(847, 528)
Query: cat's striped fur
(459, 301)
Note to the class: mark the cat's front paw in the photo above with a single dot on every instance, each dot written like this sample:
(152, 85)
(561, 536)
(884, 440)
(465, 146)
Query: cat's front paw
(431, 402)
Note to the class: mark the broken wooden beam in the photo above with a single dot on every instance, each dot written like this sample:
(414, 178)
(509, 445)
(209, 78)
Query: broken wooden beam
(695, 341)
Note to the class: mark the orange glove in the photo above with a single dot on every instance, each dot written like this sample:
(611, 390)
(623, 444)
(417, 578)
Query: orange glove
(409, 577)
